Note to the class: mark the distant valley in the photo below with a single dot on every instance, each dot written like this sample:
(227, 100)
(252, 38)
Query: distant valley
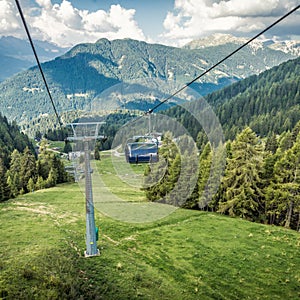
(16, 55)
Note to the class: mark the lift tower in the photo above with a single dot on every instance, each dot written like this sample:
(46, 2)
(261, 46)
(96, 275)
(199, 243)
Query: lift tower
(84, 134)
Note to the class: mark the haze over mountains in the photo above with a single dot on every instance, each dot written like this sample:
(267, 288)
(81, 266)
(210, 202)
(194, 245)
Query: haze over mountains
(135, 75)
(16, 54)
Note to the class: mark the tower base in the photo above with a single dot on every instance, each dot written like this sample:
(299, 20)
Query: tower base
(91, 255)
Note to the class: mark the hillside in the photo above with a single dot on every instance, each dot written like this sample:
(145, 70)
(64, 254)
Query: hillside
(187, 255)
(268, 102)
(146, 73)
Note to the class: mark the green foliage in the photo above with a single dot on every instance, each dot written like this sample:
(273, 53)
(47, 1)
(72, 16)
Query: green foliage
(4, 188)
(57, 134)
(10, 139)
(261, 182)
(27, 169)
(241, 183)
(197, 199)
(157, 189)
(267, 103)
(284, 191)
(30, 185)
(20, 170)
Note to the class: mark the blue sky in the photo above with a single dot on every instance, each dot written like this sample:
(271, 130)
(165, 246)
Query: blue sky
(145, 10)
(170, 22)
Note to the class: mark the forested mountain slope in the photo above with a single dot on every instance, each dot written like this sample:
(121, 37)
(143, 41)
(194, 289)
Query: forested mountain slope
(11, 138)
(79, 78)
(268, 102)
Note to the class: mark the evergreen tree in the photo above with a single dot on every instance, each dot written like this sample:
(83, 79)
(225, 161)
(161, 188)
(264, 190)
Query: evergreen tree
(271, 144)
(286, 141)
(30, 185)
(242, 183)
(52, 178)
(28, 168)
(158, 187)
(40, 183)
(284, 194)
(57, 165)
(13, 174)
(184, 172)
(12, 190)
(44, 160)
(173, 178)
(197, 199)
(4, 188)
(296, 131)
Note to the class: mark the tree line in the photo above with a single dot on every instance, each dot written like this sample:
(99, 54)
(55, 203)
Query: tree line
(11, 138)
(27, 172)
(261, 181)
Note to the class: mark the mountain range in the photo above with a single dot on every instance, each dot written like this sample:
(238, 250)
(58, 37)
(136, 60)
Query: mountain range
(16, 54)
(217, 39)
(133, 74)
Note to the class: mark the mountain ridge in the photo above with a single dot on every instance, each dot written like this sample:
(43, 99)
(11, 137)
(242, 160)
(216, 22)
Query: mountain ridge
(126, 73)
(217, 39)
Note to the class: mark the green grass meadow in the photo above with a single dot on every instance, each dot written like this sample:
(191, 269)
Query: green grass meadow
(186, 255)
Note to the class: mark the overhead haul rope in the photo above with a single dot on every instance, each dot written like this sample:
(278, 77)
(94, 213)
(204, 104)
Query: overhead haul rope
(38, 63)
(218, 63)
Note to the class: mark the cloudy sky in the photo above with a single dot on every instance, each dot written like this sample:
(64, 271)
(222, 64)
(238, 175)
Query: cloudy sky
(170, 22)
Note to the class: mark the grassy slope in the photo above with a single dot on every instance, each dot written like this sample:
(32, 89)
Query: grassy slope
(188, 255)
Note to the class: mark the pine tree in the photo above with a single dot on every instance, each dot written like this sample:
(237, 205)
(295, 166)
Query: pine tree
(44, 159)
(13, 174)
(198, 199)
(272, 143)
(242, 183)
(30, 185)
(284, 194)
(286, 141)
(40, 183)
(52, 178)
(57, 165)
(28, 168)
(4, 188)
(158, 184)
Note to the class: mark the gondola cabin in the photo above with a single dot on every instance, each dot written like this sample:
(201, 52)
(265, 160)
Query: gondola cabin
(138, 151)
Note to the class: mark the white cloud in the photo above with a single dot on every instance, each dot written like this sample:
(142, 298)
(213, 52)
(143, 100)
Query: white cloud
(253, 8)
(8, 20)
(66, 25)
(44, 3)
(193, 19)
